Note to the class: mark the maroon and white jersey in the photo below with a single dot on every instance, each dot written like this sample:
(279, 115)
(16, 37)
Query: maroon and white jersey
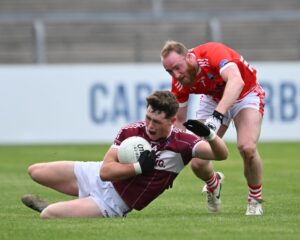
(172, 154)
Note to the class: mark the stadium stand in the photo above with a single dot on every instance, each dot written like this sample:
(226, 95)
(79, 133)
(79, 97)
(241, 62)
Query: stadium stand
(93, 31)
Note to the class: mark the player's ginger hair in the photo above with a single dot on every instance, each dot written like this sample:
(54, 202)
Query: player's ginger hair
(173, 46)
(163, 101)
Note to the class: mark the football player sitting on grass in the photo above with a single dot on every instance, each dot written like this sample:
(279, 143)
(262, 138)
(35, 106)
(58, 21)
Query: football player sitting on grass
(109, 188)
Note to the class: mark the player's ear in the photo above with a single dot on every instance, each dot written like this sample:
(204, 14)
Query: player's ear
(173, 120)
(189, 57)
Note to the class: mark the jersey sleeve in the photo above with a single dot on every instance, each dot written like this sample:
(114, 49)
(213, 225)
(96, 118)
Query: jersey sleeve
(129, 130)
(119, 138)
(125, 132)
(222, 56)
(188, 141)
(219, 55)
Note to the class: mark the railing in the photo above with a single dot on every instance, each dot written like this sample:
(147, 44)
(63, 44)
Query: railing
(156, 15)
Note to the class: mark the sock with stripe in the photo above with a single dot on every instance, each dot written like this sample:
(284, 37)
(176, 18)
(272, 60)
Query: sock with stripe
(212, 183)
(255, 192)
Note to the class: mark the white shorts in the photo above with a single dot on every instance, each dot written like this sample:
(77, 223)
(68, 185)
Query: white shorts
(102, 192)
(207, 105)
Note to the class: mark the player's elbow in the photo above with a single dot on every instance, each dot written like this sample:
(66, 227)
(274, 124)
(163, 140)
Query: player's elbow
(104, 173)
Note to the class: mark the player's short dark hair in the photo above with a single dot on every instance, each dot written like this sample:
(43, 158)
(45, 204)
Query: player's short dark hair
(163, 101)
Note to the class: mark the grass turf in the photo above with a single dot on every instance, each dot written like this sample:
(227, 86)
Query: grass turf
(180, 213)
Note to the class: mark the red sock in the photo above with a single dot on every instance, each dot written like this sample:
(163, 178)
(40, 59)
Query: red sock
(255, 192)
(212, 183)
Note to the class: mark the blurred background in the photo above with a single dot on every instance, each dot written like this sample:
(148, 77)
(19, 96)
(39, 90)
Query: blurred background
(75, 71)
(101, 31)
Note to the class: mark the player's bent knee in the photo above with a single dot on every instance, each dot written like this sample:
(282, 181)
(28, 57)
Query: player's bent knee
(247, 150)
(197, 163)
(32, 170)
(36, 171)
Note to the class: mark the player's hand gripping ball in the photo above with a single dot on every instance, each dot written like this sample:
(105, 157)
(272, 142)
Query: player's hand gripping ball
(131, 149)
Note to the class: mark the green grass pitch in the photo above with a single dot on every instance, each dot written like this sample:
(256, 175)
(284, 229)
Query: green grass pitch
(180, 213)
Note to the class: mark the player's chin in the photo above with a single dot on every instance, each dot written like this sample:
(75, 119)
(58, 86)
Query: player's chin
(186, 82)
(152, 135)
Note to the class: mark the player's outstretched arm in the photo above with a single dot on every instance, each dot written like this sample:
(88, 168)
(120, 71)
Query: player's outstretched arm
(234, 86)
(200, 129)
(214, 149)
